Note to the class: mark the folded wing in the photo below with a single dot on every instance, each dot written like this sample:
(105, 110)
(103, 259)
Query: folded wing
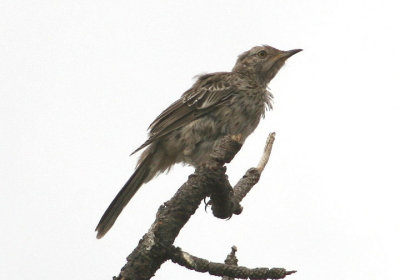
(207, 94)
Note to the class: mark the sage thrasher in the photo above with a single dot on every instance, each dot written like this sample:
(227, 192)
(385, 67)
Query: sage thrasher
(218, 104)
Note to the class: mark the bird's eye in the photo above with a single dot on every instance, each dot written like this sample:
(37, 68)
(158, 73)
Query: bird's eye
(262, 54)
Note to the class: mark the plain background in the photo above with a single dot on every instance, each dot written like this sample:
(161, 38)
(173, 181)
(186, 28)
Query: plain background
(80, 81)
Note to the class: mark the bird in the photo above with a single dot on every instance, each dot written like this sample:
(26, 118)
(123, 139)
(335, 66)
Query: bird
(218, 104)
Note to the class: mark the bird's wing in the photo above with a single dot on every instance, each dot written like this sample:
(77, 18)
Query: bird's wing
(207, 94)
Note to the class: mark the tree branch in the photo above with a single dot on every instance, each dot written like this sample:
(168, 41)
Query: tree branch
(221, 269)
(243, 187)
(156, 246)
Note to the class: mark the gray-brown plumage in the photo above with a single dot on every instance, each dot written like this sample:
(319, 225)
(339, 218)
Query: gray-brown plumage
(218, 104)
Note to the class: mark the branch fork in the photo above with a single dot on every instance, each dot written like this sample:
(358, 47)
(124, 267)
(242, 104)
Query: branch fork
(209, 180)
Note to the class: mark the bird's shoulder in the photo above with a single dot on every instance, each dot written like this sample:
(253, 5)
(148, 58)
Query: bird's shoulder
(212, 88)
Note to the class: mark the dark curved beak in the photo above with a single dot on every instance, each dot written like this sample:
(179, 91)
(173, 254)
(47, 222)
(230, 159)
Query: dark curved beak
(281, 56)
(291, 52)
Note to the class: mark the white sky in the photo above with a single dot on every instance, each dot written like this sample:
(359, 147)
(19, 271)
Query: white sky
(80, 81)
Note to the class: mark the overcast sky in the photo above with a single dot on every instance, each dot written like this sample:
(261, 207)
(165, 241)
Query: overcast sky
(80, 81)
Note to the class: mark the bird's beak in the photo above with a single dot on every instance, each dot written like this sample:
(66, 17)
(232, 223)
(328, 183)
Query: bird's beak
(281, 56)
(285, 55)
(288, 54)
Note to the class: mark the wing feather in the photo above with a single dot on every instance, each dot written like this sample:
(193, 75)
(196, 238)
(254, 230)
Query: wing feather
(208, 93)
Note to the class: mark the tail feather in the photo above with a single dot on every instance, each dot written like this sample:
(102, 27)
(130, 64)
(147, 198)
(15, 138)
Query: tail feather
(140, 176)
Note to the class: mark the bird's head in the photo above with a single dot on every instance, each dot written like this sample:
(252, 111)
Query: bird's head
(262, 63)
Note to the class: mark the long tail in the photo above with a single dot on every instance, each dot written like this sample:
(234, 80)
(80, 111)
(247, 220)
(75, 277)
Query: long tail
(143, 173)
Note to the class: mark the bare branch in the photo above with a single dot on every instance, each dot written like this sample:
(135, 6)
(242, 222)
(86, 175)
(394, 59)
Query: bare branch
(210, 179)
(252, 176)
(219, 269)
(267, 152)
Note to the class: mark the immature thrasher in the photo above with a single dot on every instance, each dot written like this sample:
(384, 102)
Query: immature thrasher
(218, 104)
